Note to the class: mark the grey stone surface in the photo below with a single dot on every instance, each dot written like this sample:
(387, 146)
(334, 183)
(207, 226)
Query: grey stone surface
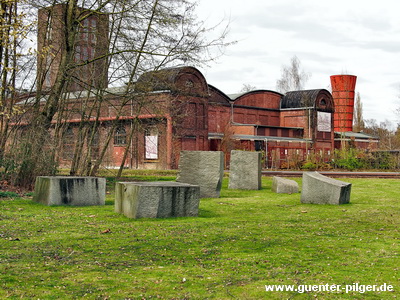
(245, 170)
(202, 168)
(319, 189)
(68, 190)
(157, 199)
(284, 186)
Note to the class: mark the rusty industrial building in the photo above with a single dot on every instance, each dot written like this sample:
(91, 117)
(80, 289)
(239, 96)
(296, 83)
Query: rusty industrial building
(181, 111)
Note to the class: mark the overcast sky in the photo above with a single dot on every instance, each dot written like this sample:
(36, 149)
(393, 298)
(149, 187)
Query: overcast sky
(356, 37)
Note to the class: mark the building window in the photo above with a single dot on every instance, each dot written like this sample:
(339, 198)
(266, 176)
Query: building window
(85, 30)
(85, 53)
(94, 144)
(49, 29)
(120, 136)
(68, 144)
(189, 83)
(273, 132)
(259, 145)
(78, 50)
(151, 143)
(93, 29)
(47, 82)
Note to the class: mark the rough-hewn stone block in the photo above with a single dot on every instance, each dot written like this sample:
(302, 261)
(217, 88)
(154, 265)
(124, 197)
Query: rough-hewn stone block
(284, 186)
(202, 168)
(245, 170)
(319, 189)
(161, 199)
(65, 190)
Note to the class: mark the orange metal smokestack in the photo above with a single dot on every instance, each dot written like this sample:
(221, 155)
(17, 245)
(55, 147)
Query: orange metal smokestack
(343, 91)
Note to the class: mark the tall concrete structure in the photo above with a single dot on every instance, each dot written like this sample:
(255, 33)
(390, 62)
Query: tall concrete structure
(84, 42)
(343, 92)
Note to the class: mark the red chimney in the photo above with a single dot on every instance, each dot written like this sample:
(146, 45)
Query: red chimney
(343, 91)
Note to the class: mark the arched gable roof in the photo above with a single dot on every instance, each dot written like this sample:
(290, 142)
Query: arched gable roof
(258, 98)
(185, 80)
(320, 99)
(237, 96)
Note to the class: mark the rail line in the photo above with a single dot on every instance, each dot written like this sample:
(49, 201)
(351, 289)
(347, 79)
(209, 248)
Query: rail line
(334, 174)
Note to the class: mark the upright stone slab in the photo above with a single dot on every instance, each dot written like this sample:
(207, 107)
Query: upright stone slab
(157, 199)
(202, 168)
(245, 170)
(66, 190)
(284, 186)
(319, 189)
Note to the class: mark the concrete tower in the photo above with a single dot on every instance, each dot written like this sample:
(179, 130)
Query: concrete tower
(91, 42)
(343, 91)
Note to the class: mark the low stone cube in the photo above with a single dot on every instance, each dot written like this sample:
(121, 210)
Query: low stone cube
(69, 190)
(245, 170)
(320, 189)
(202, 168)
(284, 186)
(159, 199)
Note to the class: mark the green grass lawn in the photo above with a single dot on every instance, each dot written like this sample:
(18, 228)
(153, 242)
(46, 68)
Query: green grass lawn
(238, 244)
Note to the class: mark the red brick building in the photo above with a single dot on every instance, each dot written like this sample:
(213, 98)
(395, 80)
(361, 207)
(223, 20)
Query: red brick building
(180, 111)
(283, 126)
(176, 109)
(287, 127)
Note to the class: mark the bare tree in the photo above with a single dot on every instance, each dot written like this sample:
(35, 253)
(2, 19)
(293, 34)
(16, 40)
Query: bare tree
(143, 35)
(358, 123)
(384, 131)
(397, 111)
(12, 32)
(247, 88)
(293, 78)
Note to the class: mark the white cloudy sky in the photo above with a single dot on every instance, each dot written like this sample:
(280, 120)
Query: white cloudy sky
(357, 37)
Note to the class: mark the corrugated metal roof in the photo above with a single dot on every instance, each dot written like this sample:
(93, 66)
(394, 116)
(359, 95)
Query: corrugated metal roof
(299, 99)
(357, 135)
(111, 91)
(158, 80)
(235, 96)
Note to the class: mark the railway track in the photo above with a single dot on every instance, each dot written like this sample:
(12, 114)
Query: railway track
(334, 174)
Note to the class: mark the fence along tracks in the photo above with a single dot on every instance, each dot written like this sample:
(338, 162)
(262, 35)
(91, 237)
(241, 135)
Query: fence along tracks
(334, 174)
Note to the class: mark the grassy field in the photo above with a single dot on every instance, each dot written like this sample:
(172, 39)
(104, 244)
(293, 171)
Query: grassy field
(240, 243)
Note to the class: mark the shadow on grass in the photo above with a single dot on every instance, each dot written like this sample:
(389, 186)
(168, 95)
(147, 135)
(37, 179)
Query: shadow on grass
(109, 202)
(238, 193)
(205, 214)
